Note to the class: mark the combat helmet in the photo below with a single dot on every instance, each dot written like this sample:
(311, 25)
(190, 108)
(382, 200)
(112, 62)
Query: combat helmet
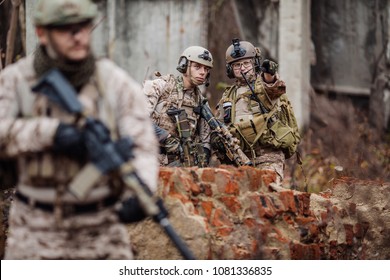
(241, 50)
(195, 54)
(63, 12)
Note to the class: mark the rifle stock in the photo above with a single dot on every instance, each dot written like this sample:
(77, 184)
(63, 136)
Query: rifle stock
(106, 155)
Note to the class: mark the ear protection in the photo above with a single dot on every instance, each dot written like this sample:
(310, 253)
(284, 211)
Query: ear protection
(229, 71)
(182, 65)
(182, 68)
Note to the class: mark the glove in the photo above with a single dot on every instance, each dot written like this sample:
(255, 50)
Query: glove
(207, 154)
(172, 145)
(269, 67)
(161, 133)
(69, 140)
(216, 143)
(131, 211)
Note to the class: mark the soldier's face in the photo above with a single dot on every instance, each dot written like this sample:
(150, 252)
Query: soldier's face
(70, 42)
(243, 66)
(196, 74)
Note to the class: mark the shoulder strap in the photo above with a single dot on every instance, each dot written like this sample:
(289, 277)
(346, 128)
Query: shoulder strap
(168, 89)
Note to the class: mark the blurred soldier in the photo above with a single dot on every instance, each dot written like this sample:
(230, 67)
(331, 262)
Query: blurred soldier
(257, 110)
(46, 220)
(174, 106)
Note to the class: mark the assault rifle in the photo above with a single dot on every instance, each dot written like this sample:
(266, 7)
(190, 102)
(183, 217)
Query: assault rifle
(230, 144)
(106, 156)
(191, 154)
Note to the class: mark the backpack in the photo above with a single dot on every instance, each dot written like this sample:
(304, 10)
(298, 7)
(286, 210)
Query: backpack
(283, 132)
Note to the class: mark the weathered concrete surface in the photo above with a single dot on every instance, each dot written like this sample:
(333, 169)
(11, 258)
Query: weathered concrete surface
(237, 213)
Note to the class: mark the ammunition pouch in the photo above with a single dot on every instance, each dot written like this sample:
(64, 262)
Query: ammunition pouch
(281, 136)
(249, 129)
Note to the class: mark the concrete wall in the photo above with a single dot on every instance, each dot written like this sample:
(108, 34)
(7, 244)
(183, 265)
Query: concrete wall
(350, 38)
(294, 55)
(143, 36)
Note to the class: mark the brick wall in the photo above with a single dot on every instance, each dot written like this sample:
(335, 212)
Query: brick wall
(238, 213)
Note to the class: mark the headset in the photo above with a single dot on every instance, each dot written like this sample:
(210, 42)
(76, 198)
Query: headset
(182, 65)
(238, 52)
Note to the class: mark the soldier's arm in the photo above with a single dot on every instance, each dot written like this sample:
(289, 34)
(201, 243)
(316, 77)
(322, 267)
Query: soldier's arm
(153, 90)
(21, 134)
(273, 85)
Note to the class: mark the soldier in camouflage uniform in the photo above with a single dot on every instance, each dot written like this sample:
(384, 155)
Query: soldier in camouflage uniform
(182, 92)
(256, 108)
(46, 220)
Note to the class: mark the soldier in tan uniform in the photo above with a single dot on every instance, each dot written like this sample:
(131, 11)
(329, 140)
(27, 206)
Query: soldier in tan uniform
(168, 93)
(46, 220)
(256, 108)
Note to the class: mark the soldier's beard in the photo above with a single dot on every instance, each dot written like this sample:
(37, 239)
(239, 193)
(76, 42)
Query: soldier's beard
(78, 73)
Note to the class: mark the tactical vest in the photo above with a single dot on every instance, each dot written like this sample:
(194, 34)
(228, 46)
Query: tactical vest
(173, 96)
(45, 169)
(277, 128)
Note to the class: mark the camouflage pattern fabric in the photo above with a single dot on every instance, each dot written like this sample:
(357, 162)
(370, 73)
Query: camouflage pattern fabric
(28, 123)
(166, 92)
(245, 108)
(35, 234)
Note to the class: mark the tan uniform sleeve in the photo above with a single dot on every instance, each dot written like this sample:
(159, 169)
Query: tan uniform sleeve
(133, 121)
(20, 135)
(153, 90)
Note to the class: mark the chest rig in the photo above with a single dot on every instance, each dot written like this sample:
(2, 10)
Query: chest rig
(174, 97)
(250, 114)
(47, 169)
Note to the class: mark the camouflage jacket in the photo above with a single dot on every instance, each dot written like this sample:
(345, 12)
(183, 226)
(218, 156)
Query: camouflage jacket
(28, 122)
(167, 92)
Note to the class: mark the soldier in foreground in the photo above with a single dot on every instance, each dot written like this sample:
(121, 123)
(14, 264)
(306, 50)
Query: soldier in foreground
(174, 106)
(256, 108)
(47, 220)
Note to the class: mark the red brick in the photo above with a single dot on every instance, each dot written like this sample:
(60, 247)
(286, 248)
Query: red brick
(232, 188)
(206, 189)
(305, 220)
(262, 205)
(305, 252)
(208, 175)
(288, 219)
(352, 209)
(268, 177)
(232, 203)
(287, 199)
(207, 207)
(250, 223)
(220, 219)
(360, 229)
(224, 231)
(303, 201)
(348, 234)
